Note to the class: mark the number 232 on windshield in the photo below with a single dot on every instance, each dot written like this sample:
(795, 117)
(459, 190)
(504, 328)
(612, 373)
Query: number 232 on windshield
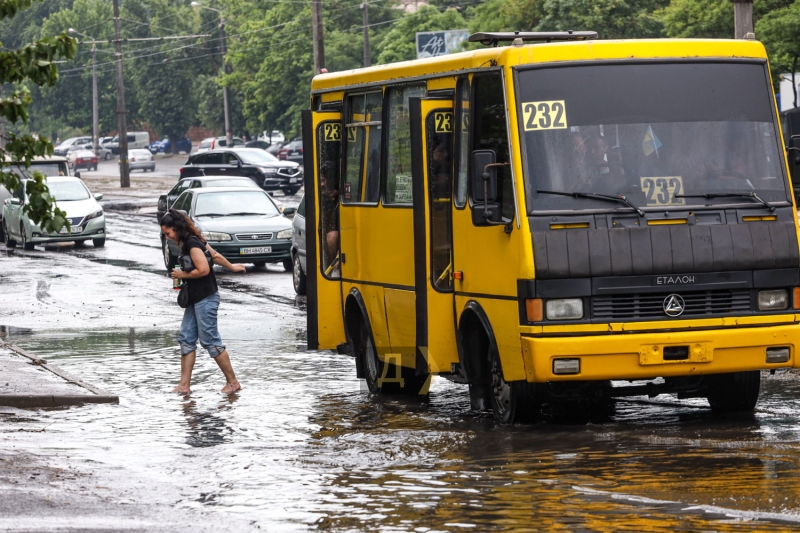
(662, 191)
(549, 115)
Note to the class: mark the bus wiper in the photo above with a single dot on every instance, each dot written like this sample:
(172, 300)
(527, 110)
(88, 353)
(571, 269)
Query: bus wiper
(608, 197)
(708, 196)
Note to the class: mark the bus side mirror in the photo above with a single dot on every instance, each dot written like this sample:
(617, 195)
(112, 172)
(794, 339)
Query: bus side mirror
(484, 180)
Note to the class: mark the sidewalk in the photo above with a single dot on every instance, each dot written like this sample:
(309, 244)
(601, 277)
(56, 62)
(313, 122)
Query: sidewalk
(28, 381)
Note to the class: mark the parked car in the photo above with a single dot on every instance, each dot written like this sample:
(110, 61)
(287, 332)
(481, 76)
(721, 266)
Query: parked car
(263, 145)
(292, 151)
(274, 149)
(72, 196)
(81, 158)
(49, 166)
(299, 248)
(263, 168)
(164, 146)
(102, 152)
(105, 140)
(64, 147)
(215, 143)
(242, 224)
(166, 200)
(136, 139)
(141, 159)
(272, 137)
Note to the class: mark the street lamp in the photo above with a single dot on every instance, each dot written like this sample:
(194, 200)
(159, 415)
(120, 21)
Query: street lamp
(225, 94)
(95, 118)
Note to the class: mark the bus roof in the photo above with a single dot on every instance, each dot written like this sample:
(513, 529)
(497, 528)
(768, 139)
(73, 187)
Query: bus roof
(453, 64)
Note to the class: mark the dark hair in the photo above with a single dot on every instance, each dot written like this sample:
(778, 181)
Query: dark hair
(182, 224)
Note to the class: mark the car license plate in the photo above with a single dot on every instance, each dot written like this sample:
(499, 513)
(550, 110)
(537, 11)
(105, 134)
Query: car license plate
(292, 180)
(294, 152)
(255, 250)
(75, 229)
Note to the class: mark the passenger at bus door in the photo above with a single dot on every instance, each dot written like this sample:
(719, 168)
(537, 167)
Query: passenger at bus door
(441, 166)
(329, 194)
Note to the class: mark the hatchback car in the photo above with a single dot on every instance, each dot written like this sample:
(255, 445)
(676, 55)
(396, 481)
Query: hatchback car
(299, 248)
(292, 151)
(244, 225)
(166, 200)
(64, 146)
(79, 159)
(263, 168)
(141, 158)
(71, 195)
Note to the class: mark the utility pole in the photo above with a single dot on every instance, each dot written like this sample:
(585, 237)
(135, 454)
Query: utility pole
(95, 114)
(743, 17)
(365, 14)
(124, 173)
(226, 94)
(317, 34)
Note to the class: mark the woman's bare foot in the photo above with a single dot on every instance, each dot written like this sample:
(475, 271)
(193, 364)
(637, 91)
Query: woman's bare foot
(182, 390)
(230, 388)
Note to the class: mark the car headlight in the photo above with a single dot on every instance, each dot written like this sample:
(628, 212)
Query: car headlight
(567, 309)
(773, 300)
(215, 236)
(96, 214)
(265, 170)
(285, 234)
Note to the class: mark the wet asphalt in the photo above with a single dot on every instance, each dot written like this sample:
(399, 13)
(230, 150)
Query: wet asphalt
(304, 447)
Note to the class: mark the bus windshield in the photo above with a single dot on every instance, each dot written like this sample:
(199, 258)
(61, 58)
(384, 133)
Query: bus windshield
(655, 133)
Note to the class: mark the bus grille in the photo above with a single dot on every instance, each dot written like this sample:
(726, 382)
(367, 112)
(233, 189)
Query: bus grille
(651, 306)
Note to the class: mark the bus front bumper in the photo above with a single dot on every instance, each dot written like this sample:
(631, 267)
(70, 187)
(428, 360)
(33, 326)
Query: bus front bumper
(635, 356)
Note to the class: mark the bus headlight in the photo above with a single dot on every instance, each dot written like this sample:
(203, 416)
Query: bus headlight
(567, 309)
(773, 300)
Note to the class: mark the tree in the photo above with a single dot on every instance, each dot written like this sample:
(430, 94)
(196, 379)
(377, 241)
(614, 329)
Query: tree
(33, 63)
(400, 43)
(712, 19)
(779, 31)
(611, 19)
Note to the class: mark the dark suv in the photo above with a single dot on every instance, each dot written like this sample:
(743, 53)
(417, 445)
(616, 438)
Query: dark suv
(265, 169)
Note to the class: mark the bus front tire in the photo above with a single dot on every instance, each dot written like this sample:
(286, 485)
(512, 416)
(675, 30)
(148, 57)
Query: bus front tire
(734, 392)
(512, 402)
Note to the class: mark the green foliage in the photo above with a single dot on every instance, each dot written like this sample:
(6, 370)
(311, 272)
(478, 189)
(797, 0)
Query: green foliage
(34, 64)
(779, 30)
(400, 42)
(611, 19)
(710, 19)
(505, 15)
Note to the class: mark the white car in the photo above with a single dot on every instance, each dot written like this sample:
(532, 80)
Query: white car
(141, 159)
(71, 195)
(273, 137)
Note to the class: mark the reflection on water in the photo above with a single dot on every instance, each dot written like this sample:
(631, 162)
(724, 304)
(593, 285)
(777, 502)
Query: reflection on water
(301, 447)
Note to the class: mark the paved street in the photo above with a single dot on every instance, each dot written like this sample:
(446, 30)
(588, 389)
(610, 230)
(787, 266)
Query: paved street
(303, 447)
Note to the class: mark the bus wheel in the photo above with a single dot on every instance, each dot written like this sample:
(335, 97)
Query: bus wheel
(514, 401)
(383, 377)
(733, 392)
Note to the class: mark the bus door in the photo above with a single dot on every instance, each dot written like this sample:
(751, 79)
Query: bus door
(322, 139)
(432, 129)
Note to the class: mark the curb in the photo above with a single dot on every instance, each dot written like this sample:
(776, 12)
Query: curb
(52, 400)
(96, 395)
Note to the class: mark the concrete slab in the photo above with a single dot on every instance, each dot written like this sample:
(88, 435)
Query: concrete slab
(29, 381)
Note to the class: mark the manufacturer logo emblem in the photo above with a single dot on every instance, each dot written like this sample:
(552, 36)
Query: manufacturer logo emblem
(674, 305)
(254, 237)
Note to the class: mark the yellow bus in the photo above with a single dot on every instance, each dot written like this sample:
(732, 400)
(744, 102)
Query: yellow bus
(560, 218)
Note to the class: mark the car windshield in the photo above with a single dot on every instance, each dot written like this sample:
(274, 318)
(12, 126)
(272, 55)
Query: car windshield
(256, 157)
(651, 132)
(231, 203)
(244, 182)
(68, 191)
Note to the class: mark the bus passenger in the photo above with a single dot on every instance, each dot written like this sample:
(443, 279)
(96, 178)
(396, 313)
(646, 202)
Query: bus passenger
(329, 208)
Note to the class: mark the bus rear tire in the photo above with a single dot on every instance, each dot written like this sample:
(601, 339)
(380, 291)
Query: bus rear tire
(735, 392)
(382, 377)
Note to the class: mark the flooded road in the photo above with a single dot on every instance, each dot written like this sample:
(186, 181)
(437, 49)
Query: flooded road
(303, 447)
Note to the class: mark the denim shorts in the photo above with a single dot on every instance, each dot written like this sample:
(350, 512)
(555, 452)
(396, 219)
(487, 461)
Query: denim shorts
(200, 321)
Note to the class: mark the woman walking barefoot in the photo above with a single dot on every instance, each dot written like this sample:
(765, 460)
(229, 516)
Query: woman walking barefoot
(200, 317)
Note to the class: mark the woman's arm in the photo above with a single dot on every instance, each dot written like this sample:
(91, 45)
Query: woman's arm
(200, 263)
(220, 260)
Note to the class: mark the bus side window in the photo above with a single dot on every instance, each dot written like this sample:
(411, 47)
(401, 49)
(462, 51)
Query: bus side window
(462, 140)
(398, 160)
(330, 152)
(362, 165)
(490, 133)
